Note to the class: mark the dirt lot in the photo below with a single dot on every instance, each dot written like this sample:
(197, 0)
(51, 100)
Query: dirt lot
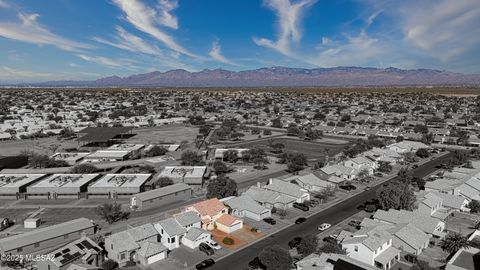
(164, 134)
(240, 237)
(42, 146)
(313, 150)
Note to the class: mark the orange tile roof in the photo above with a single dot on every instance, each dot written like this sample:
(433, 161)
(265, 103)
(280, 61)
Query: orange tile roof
(227, 220)
(209, 207)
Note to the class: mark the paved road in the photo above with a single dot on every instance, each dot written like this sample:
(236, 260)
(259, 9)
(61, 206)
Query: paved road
(333, 215)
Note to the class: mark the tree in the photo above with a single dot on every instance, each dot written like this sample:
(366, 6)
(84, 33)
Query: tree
(453, 242)
(397, 195)
(422, 265)
(156, 151)
(204, 130)
(330, 247)
(420, 129)
(277, 123)
(422, 153)
(293, 130)
(474, 206)
(190, 158)
(307, 245)
(230, 156)
(221, 187)
(256, 156)
(277, 147)
(275, 257)
(220, 168)
(385, 167)
(84, 168)
(112, 212)
(297, 162)
(163, 182)
(109, 265)
(325, 194)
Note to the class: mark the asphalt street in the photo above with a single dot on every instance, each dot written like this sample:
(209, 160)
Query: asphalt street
(333, 215)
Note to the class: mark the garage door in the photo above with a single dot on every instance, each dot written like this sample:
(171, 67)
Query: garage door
(156, 258)
(235, 227)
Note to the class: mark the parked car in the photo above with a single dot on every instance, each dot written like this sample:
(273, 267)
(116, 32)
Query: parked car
(300, 220)
(256, 264)
(324, 227)
(348, 187)
(205, 264)
(213, 244)
(354, 223)
(270, 221)
(367, 188)
(301, 206)
(294, 242)
(378, 174)
(414, 166)
(205, 248)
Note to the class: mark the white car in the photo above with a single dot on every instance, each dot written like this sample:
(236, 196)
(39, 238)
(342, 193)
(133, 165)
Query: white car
(324, 226)
(213, 244)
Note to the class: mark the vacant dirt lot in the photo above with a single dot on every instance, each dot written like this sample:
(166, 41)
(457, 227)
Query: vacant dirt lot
(313, 150)
(164, 134)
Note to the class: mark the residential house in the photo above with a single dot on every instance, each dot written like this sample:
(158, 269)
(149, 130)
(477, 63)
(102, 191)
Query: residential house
(245, 206)
(427, 224)
(214, 215)
(270, 199)
(47, 237)
(83, 251)
(171, 232)
(286, 188)
(309, 182)
(361, 163)
(373, 247)
(346, 173)
(136, 244)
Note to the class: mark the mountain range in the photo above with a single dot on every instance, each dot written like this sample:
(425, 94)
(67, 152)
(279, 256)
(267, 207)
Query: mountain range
(282, 76)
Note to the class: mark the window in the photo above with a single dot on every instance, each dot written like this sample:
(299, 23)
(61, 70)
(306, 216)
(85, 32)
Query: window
(162, 231)
(356, 248)
(122, 256)
(173, 240)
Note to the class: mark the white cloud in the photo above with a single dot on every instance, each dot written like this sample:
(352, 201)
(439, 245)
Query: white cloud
(216, 54)
(361, 49)
(101, 60)
(444, 29)
(148, 20)
(30, 31)
(9, 74)
(289, 17)
(4, 4)
(166, 18)
(129, 42)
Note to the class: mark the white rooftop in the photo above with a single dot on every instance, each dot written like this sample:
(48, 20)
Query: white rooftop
(122, 180)
(17, 180)
(65, 180)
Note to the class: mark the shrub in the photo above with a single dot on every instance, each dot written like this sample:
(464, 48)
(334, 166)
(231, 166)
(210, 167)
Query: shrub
(228, 241)
(109, 265)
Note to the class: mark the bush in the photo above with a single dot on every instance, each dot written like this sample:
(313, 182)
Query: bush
(228, 241)
(84, 168)
(109, 265)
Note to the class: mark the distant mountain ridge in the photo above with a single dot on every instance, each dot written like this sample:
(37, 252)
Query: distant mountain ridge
(283, 76)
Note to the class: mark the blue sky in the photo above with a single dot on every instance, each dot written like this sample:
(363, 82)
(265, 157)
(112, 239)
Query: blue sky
(88, 39)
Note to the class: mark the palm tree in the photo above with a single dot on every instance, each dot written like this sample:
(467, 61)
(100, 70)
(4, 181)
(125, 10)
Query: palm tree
(453, 242)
